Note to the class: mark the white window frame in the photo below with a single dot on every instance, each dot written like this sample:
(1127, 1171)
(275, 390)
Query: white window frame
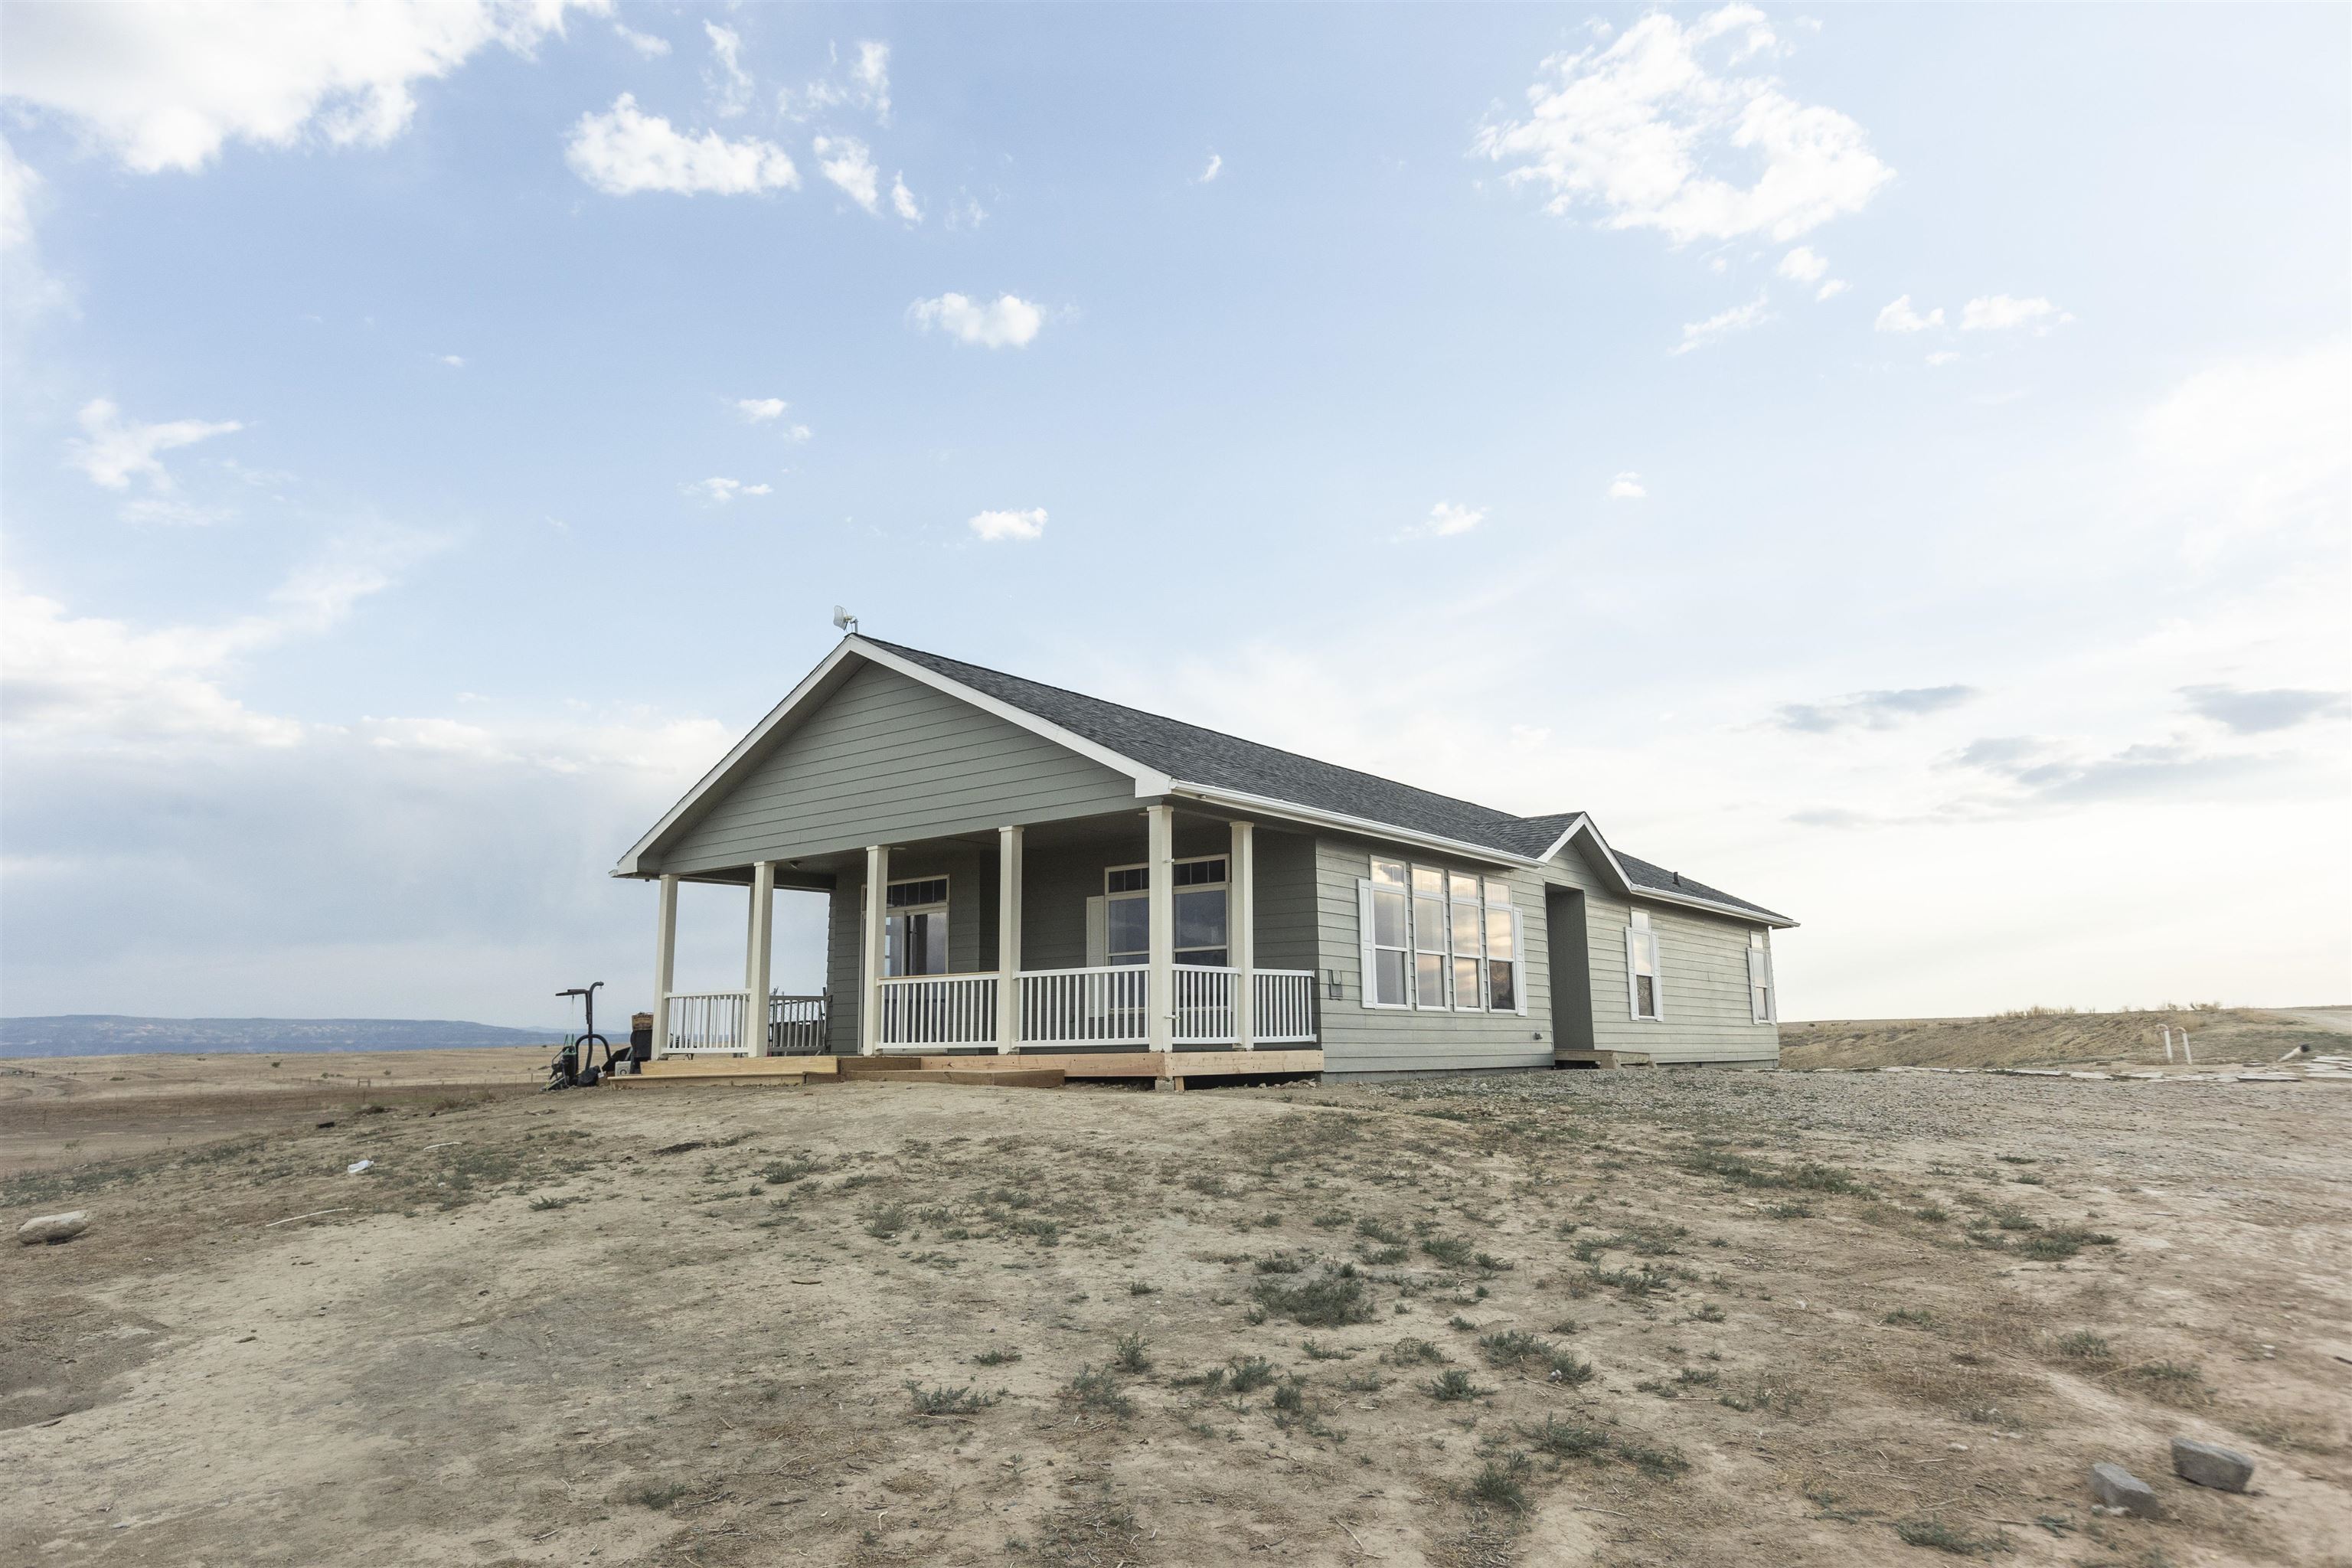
(943, 905)
(1641, 945)
(1763, 991)
(1493, 893)
(1225, 886)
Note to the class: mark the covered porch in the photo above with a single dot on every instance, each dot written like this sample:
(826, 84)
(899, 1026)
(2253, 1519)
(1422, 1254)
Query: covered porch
(1136, 933)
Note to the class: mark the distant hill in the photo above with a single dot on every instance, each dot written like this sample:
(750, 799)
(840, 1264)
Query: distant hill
(2042, 1036)
(114, 1034)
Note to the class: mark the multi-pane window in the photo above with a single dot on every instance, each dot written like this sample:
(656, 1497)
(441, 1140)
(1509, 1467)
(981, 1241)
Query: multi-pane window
(1440, 940)
(1197, 889)
(1759, 978)
(1641, 966)
(914, 930)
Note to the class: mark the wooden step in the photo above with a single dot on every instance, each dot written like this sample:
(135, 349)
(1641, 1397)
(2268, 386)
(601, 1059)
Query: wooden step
(977, 1078)
(1602, 1059)
(721, 1079)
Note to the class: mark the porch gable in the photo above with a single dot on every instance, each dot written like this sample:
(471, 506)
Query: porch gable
(883, 757)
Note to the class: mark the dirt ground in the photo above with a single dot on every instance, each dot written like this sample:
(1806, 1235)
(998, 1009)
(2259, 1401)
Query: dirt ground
(1632, 1318)
(2239, 1037)
(70, 1109)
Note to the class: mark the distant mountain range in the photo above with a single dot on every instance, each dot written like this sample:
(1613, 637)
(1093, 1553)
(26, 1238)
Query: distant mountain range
(113, 1035)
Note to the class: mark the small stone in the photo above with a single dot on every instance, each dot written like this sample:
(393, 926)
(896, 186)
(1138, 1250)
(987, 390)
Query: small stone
(53, 1227)
(2122, 1492)
(2209, 1465)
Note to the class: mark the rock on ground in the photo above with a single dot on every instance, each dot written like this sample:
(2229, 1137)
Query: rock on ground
(2119, 1488)
(2209, 1464)
(53, 1227)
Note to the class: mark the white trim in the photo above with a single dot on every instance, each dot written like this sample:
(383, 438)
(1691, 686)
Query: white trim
(632, 864)
(1630, 889)
(876, 914)
(664, 957)
(1148, 781)
(1388, 833)
(757, 962)
(1008, 939)
(1159, 835)
(1241, 930)
(1518, 962)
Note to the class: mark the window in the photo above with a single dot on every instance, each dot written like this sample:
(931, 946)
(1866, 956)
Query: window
(914, 930)
(1429, 936)
(1642, 967)
(1390, 981)
(1197, 890)
(1440, 940)
(1759, 978)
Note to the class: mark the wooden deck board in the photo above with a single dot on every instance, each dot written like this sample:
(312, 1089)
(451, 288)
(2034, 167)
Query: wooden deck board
(1071, 1067)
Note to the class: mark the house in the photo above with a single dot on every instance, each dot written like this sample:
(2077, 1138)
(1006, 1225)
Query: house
(1065, 877)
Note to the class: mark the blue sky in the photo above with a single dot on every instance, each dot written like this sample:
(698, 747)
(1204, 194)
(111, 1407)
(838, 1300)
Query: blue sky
(1890, 462)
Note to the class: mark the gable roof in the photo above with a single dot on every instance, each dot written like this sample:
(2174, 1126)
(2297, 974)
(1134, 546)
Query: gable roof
(1168, 756)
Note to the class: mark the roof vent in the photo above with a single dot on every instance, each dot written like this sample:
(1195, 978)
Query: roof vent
(1678, 879)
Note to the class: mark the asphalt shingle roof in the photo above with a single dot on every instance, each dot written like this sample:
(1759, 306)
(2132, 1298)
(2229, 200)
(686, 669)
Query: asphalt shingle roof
(1201, 756)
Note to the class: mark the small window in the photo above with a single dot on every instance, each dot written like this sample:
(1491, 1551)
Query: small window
(1759, 978)
(1127, 879)
(1642, 965)
(1197, 899)
(1388, 874)
(916, 895)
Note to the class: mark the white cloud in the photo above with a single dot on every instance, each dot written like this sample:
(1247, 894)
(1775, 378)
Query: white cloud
(112, 451)
(844, 161)
(719, 491)
(87, 681)
(455, 361)
(163, 87)
(20, 188)
(646, 45)
(871, 73)
(1803, 265)
(1899, 317)
(2252, 446)
(1627, 486)
(1830, 289)
(1447, 518)
(1644, 129)
(1216, 166)
(1941, 357)
(732, 89)
(1738, 319)
(995, 527)
(624, 152)
(759, 410)
(866, 86)
(902, 200)
(1999, 312)
(1008, 322)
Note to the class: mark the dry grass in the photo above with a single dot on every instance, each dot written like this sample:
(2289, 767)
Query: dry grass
(1651, 1318)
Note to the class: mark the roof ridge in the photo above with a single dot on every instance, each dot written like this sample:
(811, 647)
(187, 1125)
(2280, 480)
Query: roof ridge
(1205, 730)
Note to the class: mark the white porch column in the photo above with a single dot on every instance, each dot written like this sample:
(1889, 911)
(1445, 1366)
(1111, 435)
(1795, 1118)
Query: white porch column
(1241, 934)
(665, 958)
(1008, 940)
(755, 964)
(1161, 831)
(869, 994)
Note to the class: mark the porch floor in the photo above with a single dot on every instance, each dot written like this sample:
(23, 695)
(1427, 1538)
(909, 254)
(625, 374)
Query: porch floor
(1027, 1066)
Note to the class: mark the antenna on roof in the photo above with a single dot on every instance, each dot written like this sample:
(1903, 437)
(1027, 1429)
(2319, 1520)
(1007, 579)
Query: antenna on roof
(843, 621)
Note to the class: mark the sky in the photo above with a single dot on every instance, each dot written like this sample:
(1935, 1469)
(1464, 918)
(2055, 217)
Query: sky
(1889, 462)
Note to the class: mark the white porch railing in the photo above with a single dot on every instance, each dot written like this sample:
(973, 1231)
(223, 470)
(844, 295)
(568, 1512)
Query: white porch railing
(1283, 1006)
(928, 1012)
(1102, 1007)
(795, 1025)
(706, 1023)
(1205, 1004)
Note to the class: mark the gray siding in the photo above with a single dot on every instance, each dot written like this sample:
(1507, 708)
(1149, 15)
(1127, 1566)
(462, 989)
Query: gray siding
(1702, 976)
(886, 758)
(1703, 964)
(1356, 1039)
